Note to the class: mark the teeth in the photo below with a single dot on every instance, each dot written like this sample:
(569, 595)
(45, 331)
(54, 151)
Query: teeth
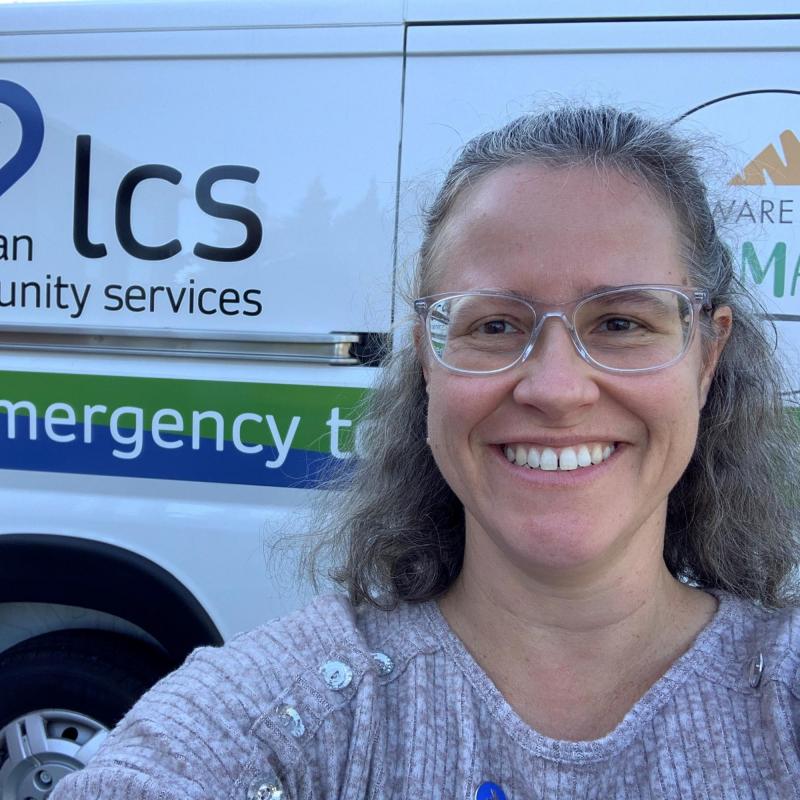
(567, 459)
(549, 460)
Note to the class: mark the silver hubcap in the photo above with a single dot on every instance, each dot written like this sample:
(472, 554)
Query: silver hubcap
(41, 747)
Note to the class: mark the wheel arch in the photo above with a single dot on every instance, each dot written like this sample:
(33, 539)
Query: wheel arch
(68, 570)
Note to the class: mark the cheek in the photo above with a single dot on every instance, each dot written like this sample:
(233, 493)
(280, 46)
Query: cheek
(444, 435)
(672, 411)
(446, 412)
(680, 389)
(457, 406)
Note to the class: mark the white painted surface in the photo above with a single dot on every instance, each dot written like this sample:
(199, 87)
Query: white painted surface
(310, 96)
(664, 69)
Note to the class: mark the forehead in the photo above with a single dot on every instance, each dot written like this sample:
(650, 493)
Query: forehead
(555, 234)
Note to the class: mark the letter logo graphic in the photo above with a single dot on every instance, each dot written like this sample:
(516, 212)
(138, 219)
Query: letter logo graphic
(23, 104)
(769, 164)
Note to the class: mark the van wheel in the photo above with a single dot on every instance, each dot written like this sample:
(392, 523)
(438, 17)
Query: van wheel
(60, 694)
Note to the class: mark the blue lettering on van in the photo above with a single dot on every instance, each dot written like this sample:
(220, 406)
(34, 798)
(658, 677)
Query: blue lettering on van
(24, 105)
(163, 172)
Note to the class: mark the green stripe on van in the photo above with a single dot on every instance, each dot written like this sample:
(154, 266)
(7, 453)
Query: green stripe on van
(229, 398)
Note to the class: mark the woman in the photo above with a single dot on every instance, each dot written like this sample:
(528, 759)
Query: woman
(568, 534)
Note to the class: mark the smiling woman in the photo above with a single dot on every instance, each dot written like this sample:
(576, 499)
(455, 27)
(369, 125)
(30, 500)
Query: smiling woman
(731, 517)
(568, 391)
(569, 543)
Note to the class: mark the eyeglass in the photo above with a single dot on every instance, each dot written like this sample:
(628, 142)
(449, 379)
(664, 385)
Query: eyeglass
(628, 329)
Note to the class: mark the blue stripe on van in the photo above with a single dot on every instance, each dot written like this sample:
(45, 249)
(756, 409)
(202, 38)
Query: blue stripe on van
(302, 469)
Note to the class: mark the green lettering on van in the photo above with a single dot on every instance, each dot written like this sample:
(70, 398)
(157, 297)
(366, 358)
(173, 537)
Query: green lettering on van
(777, 258)
(199, 408)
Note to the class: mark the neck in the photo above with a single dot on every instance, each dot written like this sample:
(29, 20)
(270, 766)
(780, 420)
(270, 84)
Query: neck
(628, 582)
(564, 612)
(602, 635)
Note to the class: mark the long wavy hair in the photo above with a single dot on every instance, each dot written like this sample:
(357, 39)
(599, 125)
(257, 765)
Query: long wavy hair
(395, 530)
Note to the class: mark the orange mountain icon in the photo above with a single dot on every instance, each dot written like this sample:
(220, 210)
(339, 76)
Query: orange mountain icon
(769, 164)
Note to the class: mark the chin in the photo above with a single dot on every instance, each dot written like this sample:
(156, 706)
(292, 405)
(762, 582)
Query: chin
(559, 544)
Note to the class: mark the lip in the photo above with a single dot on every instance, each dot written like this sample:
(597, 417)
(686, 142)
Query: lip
(557, 478)
(555, 443)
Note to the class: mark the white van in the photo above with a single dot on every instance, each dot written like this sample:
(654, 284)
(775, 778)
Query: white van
(205, 208)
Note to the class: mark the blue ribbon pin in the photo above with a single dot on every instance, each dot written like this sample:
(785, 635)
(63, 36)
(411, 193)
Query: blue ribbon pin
(489, 791)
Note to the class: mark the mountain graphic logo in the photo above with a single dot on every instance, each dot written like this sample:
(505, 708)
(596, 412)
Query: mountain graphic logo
(769, 166)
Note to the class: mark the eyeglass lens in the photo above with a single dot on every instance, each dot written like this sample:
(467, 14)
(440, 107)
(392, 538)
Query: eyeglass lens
(629, 329)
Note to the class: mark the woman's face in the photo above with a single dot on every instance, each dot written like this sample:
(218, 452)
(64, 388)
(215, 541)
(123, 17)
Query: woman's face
(555, 235)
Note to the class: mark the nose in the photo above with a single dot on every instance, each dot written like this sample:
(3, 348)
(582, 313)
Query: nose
(554, 378)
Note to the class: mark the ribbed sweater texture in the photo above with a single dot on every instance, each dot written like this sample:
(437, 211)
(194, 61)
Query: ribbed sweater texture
(713, 727)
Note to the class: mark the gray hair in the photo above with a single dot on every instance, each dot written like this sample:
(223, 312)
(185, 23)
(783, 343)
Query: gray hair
(732, 520)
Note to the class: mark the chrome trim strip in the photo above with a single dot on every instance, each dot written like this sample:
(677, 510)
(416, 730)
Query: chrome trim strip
(332, 348)
(783, 317)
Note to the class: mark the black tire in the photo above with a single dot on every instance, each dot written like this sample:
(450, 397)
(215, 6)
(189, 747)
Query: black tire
(67, 687)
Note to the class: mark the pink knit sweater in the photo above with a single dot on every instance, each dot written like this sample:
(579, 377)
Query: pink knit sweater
(336, 704)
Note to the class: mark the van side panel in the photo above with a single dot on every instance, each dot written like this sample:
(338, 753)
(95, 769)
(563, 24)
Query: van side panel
(196, 238)
(732, 80)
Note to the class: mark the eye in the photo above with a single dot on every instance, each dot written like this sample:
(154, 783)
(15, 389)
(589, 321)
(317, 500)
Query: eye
(618, 325)
(495, 326)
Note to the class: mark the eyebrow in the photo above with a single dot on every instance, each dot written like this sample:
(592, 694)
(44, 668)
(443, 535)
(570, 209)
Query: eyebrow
(602, 287)
(510, 292)
(657, 304)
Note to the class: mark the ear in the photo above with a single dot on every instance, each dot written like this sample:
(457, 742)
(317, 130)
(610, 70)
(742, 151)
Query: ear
(420, 345)
(722, 321)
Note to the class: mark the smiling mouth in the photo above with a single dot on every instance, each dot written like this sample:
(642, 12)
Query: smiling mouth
(563, 459)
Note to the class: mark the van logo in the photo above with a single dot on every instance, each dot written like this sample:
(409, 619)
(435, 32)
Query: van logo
(23, 104)
(757, 201)
(768, 164)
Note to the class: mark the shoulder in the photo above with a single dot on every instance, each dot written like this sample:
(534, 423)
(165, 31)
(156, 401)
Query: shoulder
(305, 647)
(214, 726)
(751, 646)
(326, 664)
(268, 654)
(318, 684)
(774, 637)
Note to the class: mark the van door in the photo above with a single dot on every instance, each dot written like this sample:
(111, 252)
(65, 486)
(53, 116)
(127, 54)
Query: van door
(197, 208)
(731, 78)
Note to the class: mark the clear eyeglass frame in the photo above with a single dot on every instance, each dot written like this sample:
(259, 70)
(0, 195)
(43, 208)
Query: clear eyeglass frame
(697, 299)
